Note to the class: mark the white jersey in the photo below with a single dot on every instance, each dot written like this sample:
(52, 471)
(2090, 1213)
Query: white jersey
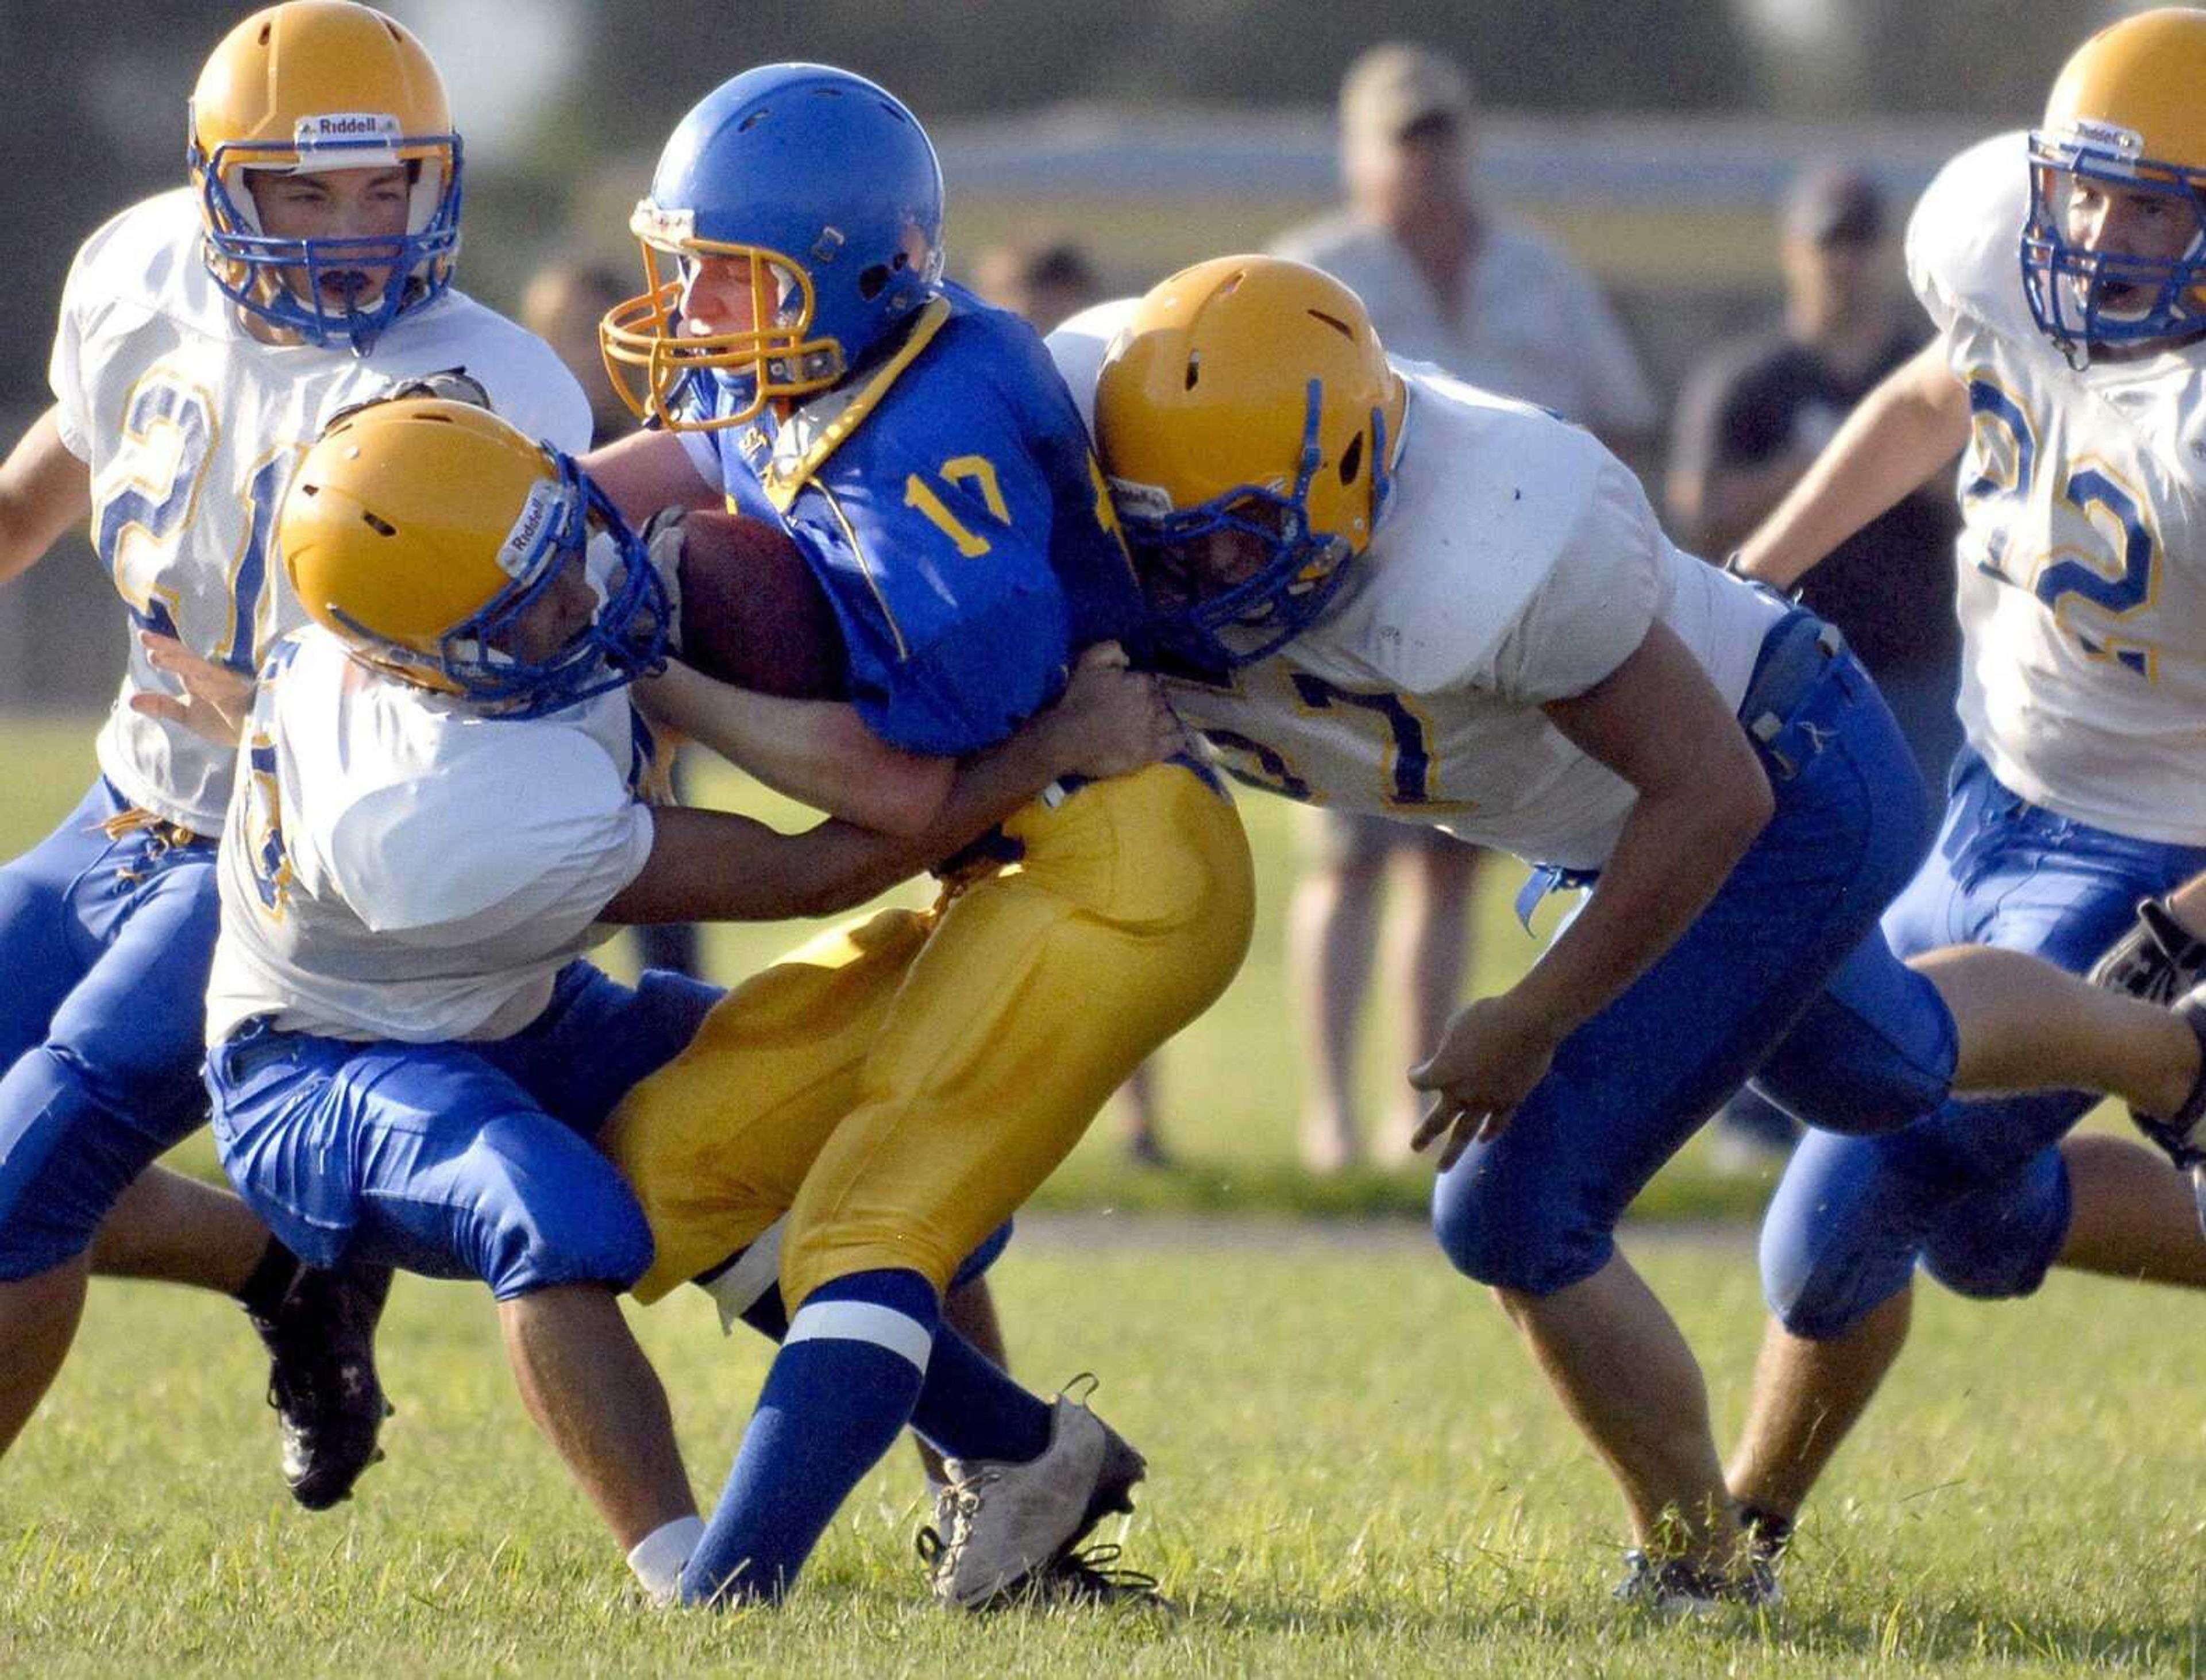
(2081, 557)
(1518, 563)
(191, 428)
(396, 865)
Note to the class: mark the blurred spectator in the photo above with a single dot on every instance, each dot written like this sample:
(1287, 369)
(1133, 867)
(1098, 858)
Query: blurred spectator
(562, 304)
(1752, 418)
(1448, 282)
(1044, 281)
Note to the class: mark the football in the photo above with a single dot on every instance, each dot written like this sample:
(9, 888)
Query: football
(752, 613)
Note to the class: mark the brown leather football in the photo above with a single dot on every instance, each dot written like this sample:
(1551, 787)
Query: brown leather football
(752, 613)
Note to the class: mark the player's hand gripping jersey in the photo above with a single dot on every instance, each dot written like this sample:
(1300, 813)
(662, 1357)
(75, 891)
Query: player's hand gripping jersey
(949, 503)
(1521, 565)
(2082, 562)
(399, 865)
(191, 429)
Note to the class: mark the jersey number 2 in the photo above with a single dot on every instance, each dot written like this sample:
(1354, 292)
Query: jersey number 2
(137, 528)
(2115, 574)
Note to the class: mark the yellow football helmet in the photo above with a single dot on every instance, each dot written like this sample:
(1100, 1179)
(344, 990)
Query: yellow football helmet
(1248, 397)
(417, 531)
(317, 84)
(2124, 116)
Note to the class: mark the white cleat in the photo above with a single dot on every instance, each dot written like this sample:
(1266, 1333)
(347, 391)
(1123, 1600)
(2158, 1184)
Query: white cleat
(1002, 1530)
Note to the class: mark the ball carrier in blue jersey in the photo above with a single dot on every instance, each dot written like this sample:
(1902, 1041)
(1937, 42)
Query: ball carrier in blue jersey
(807, 363)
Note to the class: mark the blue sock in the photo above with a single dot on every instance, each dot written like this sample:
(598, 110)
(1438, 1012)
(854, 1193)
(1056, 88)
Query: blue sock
(970, 1408)
(767, 1316)
(839, 1393)
(967, 1407)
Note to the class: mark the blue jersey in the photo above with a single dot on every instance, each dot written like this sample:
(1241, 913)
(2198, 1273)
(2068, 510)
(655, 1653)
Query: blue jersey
(949, 503)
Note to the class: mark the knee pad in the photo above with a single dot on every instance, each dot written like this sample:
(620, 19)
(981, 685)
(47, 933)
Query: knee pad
(1819, 1290)
(530, 1229)
(1997, 1243)
(1499, 1229)
(1838, 1239)
(65, 1158)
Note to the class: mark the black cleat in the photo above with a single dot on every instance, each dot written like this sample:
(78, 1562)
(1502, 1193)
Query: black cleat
(1675, 1588)
(321, 1378)
(1094, 1576)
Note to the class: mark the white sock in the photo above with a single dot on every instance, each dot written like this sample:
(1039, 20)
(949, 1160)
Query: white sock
(659, 1555)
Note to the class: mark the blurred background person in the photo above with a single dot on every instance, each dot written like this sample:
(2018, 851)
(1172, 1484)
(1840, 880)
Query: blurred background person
(1047, 280)
(562, 304)
(1446, 281)
(1752, 417)
(1044, 280)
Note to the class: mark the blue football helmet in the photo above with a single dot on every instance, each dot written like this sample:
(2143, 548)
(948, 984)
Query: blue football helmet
(317, 84)
(830, 190)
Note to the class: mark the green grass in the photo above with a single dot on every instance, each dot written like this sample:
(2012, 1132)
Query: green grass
(1355, 1469)
(1372, 1481)
(1232, 1082)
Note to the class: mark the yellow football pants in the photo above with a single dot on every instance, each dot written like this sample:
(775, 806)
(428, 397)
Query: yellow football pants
(900, 1086)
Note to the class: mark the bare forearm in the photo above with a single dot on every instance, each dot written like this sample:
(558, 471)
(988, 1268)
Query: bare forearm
(1905, 430)
(712, 866)
(43, 490)
(820, 752)
(860, 863)
(647, 471)
(2188, 901)
(1736, 500)
(1672, 856)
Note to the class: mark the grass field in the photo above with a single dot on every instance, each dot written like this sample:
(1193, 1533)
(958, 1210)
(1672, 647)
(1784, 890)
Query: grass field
(1354, 1471)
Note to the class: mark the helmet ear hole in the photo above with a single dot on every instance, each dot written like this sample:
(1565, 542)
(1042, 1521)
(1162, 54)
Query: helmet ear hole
(1351, 459)
(873, 280)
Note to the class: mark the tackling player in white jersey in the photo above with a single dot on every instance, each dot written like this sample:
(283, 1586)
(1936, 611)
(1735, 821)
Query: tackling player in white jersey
(2070, 380)
(206, 336)
(438, 816)
(1389, 592)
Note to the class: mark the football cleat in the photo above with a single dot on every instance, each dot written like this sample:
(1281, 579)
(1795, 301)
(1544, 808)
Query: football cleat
(1005, 1532)
(1768, 1536)
(2181, 1136)
(321, 1378)
(1094, 1575)
(1673, 1589)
